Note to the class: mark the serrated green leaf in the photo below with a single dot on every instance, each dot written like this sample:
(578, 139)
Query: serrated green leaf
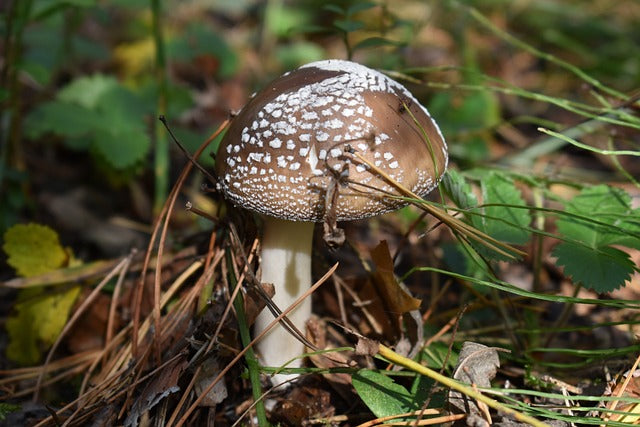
(122, 149)
(598, 217)
(381, 394)
(504, 215)
(33, 249)
(601, 216)
(61, 118)
(459, 190)
(121, 107)
(602, 270)
(37, 322)
(508, 222)
(87, 91)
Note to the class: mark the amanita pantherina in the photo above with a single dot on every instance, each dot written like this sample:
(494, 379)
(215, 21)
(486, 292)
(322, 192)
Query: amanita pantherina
(287, 153)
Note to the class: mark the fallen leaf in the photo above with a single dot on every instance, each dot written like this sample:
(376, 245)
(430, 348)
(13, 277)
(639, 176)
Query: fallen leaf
(38, 320)
(162, 385)
(477, 366)
(210, 369)
(394, 295)
(33, 249)
(39, 315)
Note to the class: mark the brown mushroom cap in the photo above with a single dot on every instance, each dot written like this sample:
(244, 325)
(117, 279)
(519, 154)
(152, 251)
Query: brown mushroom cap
(290, 144)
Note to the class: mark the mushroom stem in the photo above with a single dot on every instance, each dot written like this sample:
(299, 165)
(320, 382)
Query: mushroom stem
(286, 262)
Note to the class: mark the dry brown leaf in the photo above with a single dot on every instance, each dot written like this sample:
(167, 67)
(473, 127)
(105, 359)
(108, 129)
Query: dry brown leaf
(394, 296)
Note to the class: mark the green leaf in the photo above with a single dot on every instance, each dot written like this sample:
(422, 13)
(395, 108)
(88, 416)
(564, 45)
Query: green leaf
(121, 107)
(97, 112)
(334, 8)
(376, 42)
(469, 112)
(381, 394)
(602, 270)
(61, 118)
(596, 218)
(438, 355)
(359, 7)
(122, 149)
(601, 216)
(198, 40)
(38, 320)
(466, 115)
(348, 26)
(87, 91)
(459, 190)
(7, 408)
(503, 216)
(33, 249)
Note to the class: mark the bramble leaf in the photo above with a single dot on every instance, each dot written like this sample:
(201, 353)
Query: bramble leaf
(506, 220)
(100, 114)
(602, 270)
(503, 214)
(595, 219)
(87, 91)
(61, 118)
(122, 149)
(600, 216)
(459, 190)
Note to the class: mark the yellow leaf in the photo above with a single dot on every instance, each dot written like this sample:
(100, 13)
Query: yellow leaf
(33, 249)
(137, 57)
(38, 320)
(38, 315)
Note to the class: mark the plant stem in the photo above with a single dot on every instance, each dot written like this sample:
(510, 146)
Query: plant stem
(18, 17)
(245, 337)
(161, 166)
(397, 359)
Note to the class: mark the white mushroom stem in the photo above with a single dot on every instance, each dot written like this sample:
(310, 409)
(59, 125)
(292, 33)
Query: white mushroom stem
(286, 262)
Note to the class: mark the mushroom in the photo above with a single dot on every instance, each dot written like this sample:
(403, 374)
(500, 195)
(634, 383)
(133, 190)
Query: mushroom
(289, 156)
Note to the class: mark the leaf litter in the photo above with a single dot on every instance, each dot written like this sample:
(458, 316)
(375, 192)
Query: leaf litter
(119, 370)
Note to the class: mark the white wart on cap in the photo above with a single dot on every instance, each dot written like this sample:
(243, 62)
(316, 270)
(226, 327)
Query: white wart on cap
(277, 155)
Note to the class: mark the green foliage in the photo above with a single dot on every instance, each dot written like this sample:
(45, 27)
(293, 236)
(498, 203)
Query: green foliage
(348, 22)
(7, 408)
(465, 116)
(596, 219)
(382, 395)
(503, 214)
(459, 190)
(198, 40)
(437, 355)
(99, 114)
(39, 315)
